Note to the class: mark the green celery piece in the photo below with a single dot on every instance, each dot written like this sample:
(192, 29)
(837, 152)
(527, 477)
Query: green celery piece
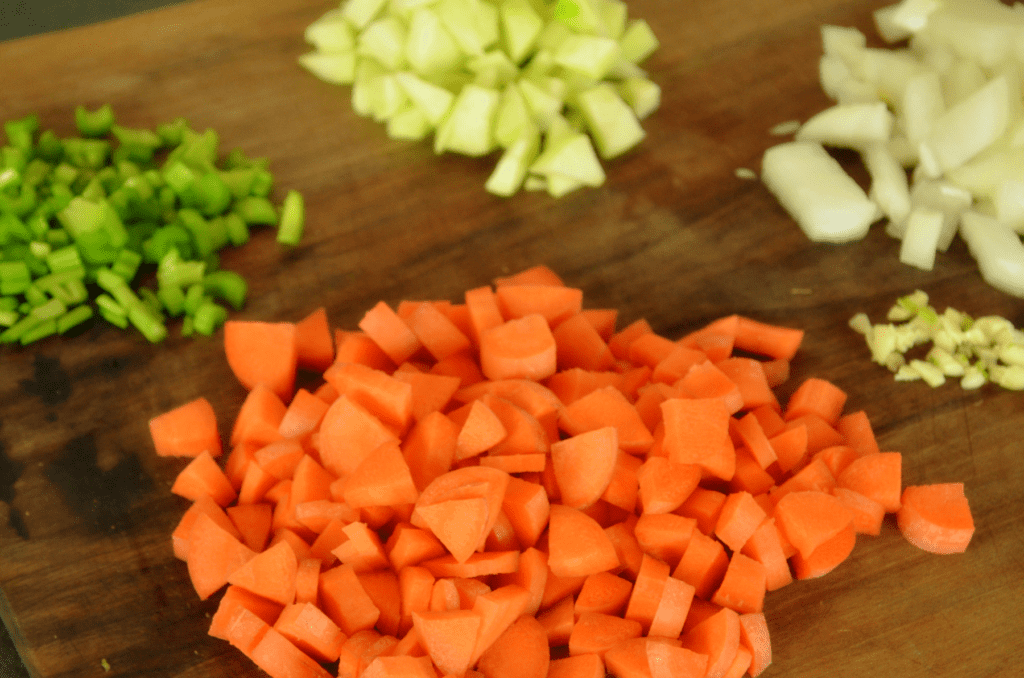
(36, 172)
(239, 180)
(9, 303)
(64, 173)
(638, 41)
(468, 128)
(293, 219)
(176, 272)
(13, 158)
(237, 158)
(23, 204)
(21, 132)
(142, 141)
(172, 235)
(73, 317)
(172, 299)
(145, 322)
(14, 277)
(255, 210)
(510, 172)
(87, 153)
(42, 329)
(9, 177)
(196, 225)
(262, 183)
(8, 317)
(178, 176)
(236, 228)
(214, 195)
(197, 150)
(228, 286)
(95, 228)
(13, 228)
(218, 232)
(187, 329)
(15, 332)
(171, 133)
(429, 47)
(50, 309)
(433, 101)
(611, 121)
(195, 295)
(208, 316)
(520, 25)
(97, 123)
(126, 264)
(49, 147)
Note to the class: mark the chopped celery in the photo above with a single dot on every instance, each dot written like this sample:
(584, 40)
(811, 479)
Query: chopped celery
(111, 205)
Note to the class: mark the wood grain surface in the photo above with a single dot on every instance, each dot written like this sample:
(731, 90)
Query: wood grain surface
(86, 569)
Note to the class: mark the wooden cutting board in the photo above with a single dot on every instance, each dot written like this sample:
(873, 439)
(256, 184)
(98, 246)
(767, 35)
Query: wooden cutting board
(86, 568)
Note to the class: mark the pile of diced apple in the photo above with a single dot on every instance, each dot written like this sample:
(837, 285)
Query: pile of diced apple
(937, 120)
(541, 82)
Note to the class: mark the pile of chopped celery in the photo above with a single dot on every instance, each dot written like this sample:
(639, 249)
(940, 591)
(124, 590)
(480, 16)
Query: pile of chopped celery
(541, 81)
(974, 350)
(81, 219)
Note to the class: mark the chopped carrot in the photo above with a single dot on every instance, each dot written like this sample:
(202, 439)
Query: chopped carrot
(280, 658)
(856, 430)
(363, 549)
(213, 554)
(534, 275)
(244, 629)
(280, 457)
(383, 479)
(203, 504)
(703, 564)
(484, 313)
(383, 588)
(820, 433)
(697, 432)
(528, 508)
(754, 637)
(647, 591)
(311, 631)
(814, 476)
(674, 606)
(430, 392)
(706, 380)
(314, 343)
(449, 638)
(765, 546)
(521, 348)
(580, 345)
(817, 396)
(620, 341)
(603, 407)
(627, 547)
(776, 371)
(186, 431)
(259, 419)
(766, 339)
(749, 376)
(388, 398)
(704, 506)
(270, 574)
(572, 384)
(477, 565)
(739, 518)
(936, 518)
(808, 519)
(664, 535)
(409, 545)
(349, 433)
(790, 447)
(436, 332)
(555, 302)
(676, 363)
(262, 352)
(234, 598)
(867, 513)
(837, 458)
(253, 523)
(743, 586)
(877, 476)
(429, 448)
(749, 476)
(584, 465)
(416, 587)
(578, 666)
(307, 581)
(649, 349)
(578, 545)
(358, 347)
(303, 415)
(596, 633)
(532, 576)
(624, 487)
(717, 637)
(558, 620)
(604, 320)
(666, 660)
(399, 667)
(826, 556)
(603, 592)
(663, 484)
(498, 610)
(480, 431)
(390, 332)
(203, 477)
(345, 601)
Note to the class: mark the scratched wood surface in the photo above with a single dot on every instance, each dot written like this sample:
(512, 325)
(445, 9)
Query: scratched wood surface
(86, 569)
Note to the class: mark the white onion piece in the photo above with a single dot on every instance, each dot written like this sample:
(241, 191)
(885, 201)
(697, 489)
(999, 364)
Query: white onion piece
(998, 251)
(921, 237)
(849, 126)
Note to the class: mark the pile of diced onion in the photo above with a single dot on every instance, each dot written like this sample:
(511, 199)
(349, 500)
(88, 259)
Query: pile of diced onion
(938, 120)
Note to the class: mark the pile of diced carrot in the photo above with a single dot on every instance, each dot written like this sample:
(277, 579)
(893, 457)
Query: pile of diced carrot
(512, 487)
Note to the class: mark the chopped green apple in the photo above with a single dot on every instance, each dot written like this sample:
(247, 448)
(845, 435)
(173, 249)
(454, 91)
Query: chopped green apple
(512, 167)
(611, 121)
(429, 47)
(520, 25)
(591, 55)
(384, 40)
(337, 68)
(433, 101)
(469, 126)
